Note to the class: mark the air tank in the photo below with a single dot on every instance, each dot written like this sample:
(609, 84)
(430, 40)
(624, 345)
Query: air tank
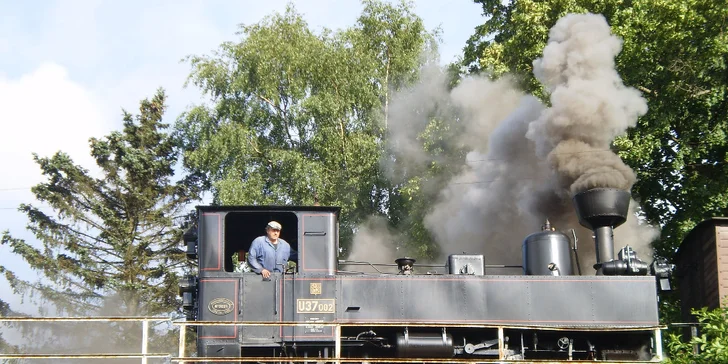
(425, 345)
(547, 253)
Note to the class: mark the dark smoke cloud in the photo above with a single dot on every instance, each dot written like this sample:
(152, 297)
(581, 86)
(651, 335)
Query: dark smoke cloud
(590, 104)
(580, 166)
(527, 160)
(488, 207)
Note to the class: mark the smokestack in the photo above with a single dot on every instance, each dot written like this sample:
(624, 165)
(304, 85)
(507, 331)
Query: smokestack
(602, 210)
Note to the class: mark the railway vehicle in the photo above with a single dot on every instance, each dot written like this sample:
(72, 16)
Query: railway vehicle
(458, 312)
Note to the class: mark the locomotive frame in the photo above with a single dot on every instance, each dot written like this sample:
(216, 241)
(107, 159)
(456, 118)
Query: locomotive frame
(458, 313)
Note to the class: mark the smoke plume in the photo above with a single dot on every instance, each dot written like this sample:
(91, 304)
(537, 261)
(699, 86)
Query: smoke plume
(373, 243)
(590, 105)
(527, 160)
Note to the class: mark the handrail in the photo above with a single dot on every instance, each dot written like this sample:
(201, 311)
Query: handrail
(84, 318)
(385, 360)
(418, 324)
(337, 358)
(85, 356)
(143, 355)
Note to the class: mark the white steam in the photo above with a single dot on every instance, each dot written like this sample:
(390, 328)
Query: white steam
(373, 243)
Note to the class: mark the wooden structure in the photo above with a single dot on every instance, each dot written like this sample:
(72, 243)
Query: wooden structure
(702, 267)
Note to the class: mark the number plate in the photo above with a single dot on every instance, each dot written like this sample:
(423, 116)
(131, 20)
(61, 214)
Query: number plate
(316, 306)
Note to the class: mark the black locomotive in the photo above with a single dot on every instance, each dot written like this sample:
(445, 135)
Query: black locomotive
(546, 313)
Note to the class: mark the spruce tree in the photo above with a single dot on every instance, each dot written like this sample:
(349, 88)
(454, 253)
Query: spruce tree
(109, 241)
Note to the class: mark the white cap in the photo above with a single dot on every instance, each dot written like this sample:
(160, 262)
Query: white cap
(274, 225)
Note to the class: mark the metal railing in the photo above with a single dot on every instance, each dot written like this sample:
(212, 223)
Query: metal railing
(144, 355)
(337, 358)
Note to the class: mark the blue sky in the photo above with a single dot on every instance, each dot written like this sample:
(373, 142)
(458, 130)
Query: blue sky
(67, 67)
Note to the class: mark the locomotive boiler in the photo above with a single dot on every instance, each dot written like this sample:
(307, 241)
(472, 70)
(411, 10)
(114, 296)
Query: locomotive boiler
(553, 311)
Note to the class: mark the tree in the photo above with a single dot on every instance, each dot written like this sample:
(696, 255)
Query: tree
(110, 246)
(402, 57)
(712, 342)
(300, 117)
(4, 345)
(674, 52)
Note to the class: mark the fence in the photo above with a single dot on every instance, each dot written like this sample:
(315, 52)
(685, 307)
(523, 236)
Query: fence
(144, 355)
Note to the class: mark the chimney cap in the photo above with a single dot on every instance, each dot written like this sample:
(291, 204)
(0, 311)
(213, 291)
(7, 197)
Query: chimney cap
(599, 207)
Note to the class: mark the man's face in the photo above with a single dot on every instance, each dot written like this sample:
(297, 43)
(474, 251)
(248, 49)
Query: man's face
(273, 234)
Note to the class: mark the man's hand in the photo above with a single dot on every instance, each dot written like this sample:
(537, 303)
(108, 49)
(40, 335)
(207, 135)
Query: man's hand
(265, 273)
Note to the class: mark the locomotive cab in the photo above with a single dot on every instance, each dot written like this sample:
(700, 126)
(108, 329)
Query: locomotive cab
(241, 227)
(311, 231)
(220, 293)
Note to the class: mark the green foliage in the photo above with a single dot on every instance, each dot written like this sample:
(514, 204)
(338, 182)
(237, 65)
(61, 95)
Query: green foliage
(413, 198)
(300, 118)
(711, 342)
(110, 244)
(5, 347)
(674, 52)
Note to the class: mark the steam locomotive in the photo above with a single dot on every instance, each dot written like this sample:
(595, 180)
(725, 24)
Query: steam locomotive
(546, 313)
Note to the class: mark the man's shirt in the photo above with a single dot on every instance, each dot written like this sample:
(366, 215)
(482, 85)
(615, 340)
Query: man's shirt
(264, 254)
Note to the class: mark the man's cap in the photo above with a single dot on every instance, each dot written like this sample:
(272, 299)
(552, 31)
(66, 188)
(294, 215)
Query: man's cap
(274, 225)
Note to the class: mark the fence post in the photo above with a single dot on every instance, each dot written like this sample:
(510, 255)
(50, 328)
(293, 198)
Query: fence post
(658, 344)
(501, 343)
(182, 341)
(337, 345)
(145, 338)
